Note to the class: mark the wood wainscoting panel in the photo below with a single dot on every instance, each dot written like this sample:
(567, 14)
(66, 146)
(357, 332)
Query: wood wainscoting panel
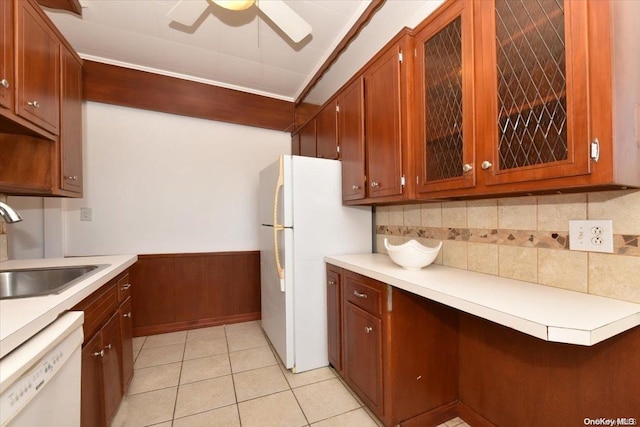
(111, 84)
(153, 289)
(512, 379)
(173, 292)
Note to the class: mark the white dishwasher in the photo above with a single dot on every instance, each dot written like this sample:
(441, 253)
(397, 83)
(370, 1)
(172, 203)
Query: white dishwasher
(40, 380)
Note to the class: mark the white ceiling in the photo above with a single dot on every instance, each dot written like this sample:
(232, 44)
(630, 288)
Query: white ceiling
(240, 50)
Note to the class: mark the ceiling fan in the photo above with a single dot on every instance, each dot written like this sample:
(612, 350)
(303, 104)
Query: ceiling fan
(187, 12)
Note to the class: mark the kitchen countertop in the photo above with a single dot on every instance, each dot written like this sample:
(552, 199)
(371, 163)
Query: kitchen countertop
(548, 313)
(21, 318)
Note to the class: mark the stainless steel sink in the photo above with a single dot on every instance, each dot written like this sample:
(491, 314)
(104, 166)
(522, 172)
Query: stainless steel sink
(21, 283)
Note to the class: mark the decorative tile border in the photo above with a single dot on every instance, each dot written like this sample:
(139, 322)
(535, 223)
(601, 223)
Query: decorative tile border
(623, 244)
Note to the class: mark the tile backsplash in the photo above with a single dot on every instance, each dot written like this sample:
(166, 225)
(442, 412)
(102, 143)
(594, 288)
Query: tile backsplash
(526, 238)
(4, 250)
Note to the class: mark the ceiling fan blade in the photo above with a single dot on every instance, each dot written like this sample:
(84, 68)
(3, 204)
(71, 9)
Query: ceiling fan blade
(284, 17)
(187, 12)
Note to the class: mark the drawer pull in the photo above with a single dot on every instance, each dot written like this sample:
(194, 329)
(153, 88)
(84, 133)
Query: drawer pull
(71, 178)
(4, 83)
(34, 104)
(99, 353)
(359, 295)
(368, 329)
(125, 286)
(127, 315)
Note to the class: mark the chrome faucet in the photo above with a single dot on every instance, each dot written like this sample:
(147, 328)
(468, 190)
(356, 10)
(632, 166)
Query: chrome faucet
(9, 214)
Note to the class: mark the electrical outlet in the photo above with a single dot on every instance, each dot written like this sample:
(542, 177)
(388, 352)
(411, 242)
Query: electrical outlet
(591, 235)
(85, 214)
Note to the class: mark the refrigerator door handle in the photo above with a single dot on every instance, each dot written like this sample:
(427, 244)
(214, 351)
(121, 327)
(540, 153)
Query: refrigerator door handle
(278, 227)
(277, 252)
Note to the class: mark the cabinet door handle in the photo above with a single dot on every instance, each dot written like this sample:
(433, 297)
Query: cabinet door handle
(127, 315)
(467, 167)
(99, 353)
(72, 178)
(359, 295)
(331, 282)
(34, 104)
(107, 347)
(4, 83)
(486, 164)
(375, 184)
(125, 286)
(355, 187)
(368, 329)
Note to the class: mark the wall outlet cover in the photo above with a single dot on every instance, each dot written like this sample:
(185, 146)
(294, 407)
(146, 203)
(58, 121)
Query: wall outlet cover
(591, 235)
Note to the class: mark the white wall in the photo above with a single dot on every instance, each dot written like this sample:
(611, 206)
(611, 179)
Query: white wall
(161, 183)
(26, 238)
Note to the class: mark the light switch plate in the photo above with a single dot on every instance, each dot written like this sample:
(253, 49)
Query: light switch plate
(591, 235)
(85, 214)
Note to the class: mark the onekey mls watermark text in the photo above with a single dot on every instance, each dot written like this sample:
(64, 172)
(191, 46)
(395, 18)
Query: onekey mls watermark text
(610, 421)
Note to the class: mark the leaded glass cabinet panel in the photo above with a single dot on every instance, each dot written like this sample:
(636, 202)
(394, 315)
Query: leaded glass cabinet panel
(535, 89)
(444, 75)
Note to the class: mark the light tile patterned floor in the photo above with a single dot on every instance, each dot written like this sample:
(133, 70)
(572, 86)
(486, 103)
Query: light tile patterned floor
(229, 376)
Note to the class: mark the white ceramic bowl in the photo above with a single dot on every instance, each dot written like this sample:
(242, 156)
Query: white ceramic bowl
(412, 255)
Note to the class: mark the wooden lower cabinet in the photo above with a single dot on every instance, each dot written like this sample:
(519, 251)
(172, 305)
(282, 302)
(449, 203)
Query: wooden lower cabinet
(399, 351)
(107, 353)
(334, 318)
(92, 401)
(111, 365)
(126, 331)
(363, 350)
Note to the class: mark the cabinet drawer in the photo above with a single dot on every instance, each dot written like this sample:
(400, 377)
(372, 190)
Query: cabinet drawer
(124, 288)
(98, 307)
(364, 293)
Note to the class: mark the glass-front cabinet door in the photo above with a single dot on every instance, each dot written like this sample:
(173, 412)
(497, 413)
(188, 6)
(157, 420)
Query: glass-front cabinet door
(533, 106)
(444, 80)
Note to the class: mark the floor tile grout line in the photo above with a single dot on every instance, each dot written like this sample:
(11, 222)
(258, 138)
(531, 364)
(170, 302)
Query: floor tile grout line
(233, 381)
(175, 402)
(202, 412)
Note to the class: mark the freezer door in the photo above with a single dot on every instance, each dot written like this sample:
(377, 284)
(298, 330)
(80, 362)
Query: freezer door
(277, 295)
(275, 191)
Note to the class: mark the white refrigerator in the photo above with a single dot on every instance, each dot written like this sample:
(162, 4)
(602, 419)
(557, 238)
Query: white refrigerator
(302, 219)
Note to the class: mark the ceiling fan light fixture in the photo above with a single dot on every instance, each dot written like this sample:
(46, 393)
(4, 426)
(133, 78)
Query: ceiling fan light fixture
(234, 4)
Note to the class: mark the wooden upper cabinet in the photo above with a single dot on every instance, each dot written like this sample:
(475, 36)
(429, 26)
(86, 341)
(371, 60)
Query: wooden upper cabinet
(70, 123)
(38, 56)
(327, 132)
(533, 96)
(444, 100)
(295, 144)
(351, 140)
(383, 133)
(308, 139)
(6, 54)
